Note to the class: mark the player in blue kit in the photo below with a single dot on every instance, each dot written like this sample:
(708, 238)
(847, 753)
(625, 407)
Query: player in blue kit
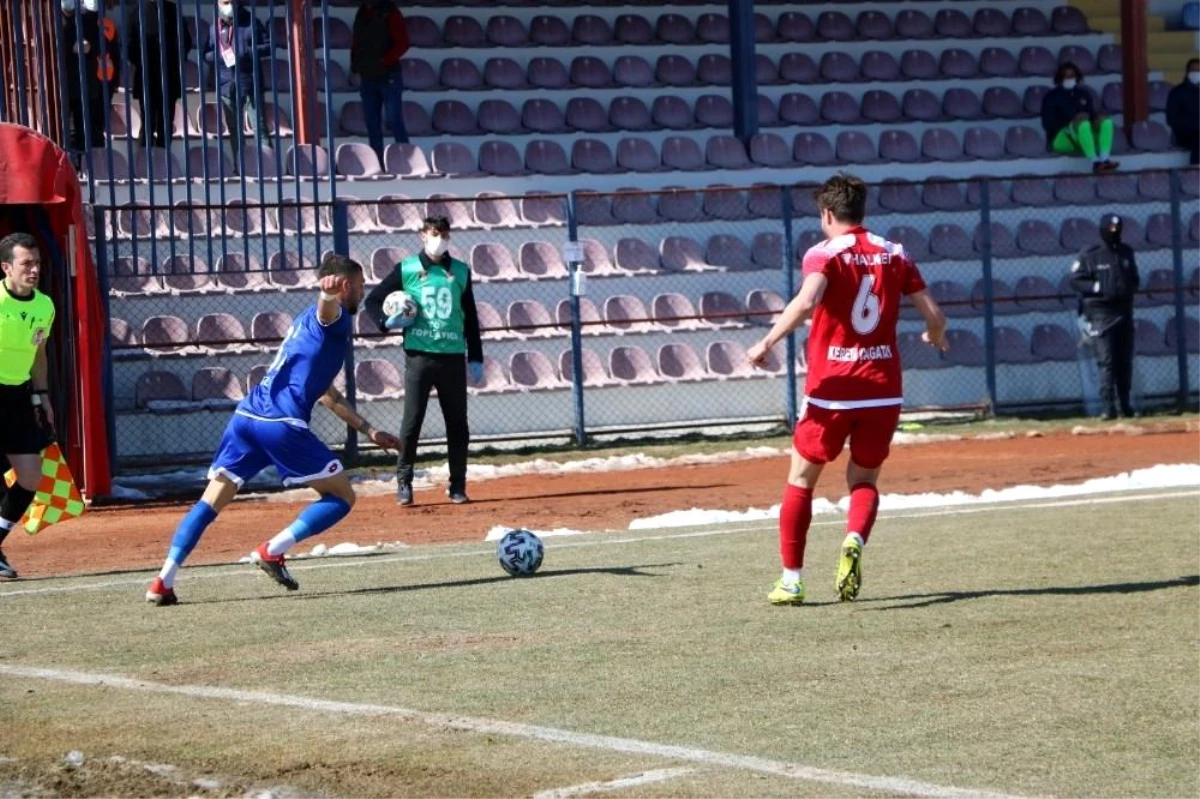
(270, 427)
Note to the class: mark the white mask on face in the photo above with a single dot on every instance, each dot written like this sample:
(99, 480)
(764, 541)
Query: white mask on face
(69, 5)
(436, 246)
(226, 11)
(1194, 78)
(1069, 83)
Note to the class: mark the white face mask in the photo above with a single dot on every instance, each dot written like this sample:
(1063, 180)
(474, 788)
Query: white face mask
(436, 246)
(1069, 84)
(225, 11)
(1194, 78)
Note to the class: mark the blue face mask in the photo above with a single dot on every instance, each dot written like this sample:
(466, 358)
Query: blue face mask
(1068, 83)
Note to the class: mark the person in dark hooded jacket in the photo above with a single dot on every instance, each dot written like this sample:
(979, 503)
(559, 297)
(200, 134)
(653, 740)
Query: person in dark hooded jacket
(1106, 278)
(1183, 111)
(1071, 123)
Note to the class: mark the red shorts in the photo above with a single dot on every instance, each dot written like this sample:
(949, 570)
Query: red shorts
(821, 434)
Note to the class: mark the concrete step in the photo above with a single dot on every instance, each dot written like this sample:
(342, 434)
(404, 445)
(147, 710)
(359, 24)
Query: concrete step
(1112, 24)
(1170, 41)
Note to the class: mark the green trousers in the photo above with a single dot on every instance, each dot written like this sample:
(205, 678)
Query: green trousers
(1091, 139)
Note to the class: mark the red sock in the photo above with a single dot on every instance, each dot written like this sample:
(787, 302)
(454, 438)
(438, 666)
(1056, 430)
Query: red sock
(864, 504)
(794, 518)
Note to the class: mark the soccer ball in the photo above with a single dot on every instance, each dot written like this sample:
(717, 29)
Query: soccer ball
(398, 302)
(520, 553)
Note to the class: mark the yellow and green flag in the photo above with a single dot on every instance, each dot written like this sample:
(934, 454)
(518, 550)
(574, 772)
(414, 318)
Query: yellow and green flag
(56, 499)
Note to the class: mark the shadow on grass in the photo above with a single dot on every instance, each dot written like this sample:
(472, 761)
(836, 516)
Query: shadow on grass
(618, 571)
(926, 600)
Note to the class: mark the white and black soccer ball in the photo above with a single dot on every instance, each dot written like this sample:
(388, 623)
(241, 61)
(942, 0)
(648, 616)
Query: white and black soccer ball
(520, 553)
(398, 302)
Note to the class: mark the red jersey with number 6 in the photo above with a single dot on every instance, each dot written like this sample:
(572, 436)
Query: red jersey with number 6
(853, 361)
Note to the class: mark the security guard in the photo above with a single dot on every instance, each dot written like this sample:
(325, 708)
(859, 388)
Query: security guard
(26, 315)
(440, 346)
(1106, 278)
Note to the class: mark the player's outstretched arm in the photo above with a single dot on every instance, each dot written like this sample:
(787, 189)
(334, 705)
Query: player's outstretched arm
(935, 320)
(795, 314)
(335, 402)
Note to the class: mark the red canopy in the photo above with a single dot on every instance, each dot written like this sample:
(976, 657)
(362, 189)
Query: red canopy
(35, 172)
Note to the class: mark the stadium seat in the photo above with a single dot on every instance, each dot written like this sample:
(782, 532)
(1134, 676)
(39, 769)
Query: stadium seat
(165, 333)
(531, 369)
(1051, 342)
(727, 359)
(1149, 339)
(677, 205)
(493, 262)
(159, 390)
(728, 252)
(633, 207)
(1003, 298)
(763, 306)
(625, 313)
(541, 260)
(913, 24)
(920, 105)
(1012, 346)
(592, 368)
(631, 365)
(268, 328)
(375, 378)
(591, 323)
(916, 354)
(720, 309)
(546, 157)
(183, 274)
(681, 254)
(966, 349)
(679, 362)
(216, 385)
(1191, 329)
(674, 311)
(1036, 293)
(592, 155)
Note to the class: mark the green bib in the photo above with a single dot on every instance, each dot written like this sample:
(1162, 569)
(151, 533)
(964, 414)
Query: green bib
(439, 324)
(24, 324)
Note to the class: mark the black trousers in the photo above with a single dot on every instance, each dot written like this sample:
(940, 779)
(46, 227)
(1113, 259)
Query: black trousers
(1114, 357)
(423, 372)
(92, 114)
(1190, 141)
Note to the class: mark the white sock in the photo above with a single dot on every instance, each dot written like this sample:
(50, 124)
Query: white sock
(792, 576)
(167, 575)
(1100, 159)
(281, 543)
(5, 524)
(857, 538)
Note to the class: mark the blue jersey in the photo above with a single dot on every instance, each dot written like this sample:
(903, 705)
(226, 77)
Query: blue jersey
(309, 358)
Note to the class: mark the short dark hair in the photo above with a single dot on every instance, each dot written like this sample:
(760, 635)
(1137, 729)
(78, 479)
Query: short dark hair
(14, 240)
(439, 223)
(335, 264)
(1062, 68)
(1191, 62)
(845, 196)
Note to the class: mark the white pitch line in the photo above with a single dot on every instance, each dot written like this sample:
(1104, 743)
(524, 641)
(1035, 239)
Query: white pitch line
(645, 778)
(609, 743)
(605, 538)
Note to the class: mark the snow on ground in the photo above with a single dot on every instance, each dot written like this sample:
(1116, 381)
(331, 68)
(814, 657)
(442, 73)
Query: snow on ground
(146, 486)
(1183, 475)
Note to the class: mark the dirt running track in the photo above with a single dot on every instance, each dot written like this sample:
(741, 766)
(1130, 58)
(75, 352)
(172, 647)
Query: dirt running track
(136, 536)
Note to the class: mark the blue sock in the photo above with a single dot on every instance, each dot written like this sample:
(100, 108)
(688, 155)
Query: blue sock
(188, 533)
(318, 517)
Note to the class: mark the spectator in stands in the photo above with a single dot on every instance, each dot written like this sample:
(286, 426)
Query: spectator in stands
(1183, 111)
(81, 45)
(441, 345)
(1106, 278)
(236, 43)
(1071, 123)
(379, 41)
(162, 64)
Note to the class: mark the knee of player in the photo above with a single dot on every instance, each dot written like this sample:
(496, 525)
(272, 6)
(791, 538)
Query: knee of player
(346, 494)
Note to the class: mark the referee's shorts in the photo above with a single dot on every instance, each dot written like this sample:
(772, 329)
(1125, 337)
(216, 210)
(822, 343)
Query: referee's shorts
(21, 431)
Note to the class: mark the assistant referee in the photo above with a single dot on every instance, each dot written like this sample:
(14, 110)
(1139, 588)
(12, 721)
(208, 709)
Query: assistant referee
(26, 315)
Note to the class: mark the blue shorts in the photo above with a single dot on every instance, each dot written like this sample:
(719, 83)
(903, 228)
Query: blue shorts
(251, 445)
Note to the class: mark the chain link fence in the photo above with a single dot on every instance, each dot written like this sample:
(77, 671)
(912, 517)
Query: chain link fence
(632, 310)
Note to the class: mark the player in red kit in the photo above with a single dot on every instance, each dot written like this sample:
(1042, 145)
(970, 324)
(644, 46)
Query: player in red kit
(852, 286)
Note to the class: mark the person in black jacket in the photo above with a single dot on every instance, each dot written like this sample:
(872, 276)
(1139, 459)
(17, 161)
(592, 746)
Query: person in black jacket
(1183, 111)
(1106, 278)
(380, 40)
(1071, 123)
(162, 65)
(441, 345)
(87, 105)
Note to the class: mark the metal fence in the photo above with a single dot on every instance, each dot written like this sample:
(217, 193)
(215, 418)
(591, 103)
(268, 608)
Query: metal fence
(633, 310)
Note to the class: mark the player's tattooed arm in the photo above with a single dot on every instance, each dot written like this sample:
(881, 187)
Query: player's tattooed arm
(335, 402)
